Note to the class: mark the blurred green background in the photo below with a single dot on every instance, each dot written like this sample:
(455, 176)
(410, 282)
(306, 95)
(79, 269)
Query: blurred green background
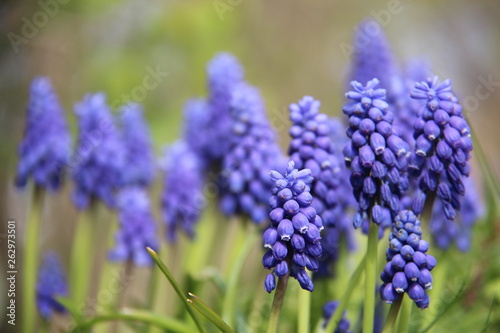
(288, 48)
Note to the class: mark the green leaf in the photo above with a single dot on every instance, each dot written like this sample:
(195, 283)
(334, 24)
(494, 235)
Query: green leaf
(146, 317)
(70, 306)
(175, 285)
(210, 314)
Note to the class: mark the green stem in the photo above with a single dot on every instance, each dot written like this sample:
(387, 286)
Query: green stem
(353, 283)
(229, 305)
(279, 296)
(152, 292)
(199, 251)
(121, 298)
(31, 259)
(404, 317)
(370, 278)
(81, 257)
(304, 311)
(393, 315)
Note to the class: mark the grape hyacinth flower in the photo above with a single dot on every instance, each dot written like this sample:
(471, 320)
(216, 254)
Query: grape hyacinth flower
(253, 153)
(137, 227)
(182, 199)
(328, 311)
(372, 57)
(409, 267)
(138, 147)
(312, 148)
(46, 146)
(294, 234)
(224, 72)
(375, 154)
(51, 284)
(197, 124)
(446, 232)
(100, 156)
(345, 206)
(443, 146)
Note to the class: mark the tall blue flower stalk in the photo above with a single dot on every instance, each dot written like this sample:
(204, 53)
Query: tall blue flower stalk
(375, 154)
(182, 199)
(293, 237)
(443, 146)
(50, 285)
(100, 157)
(46, 146)
(408, 268)
(139, 155)
(137, 228)
(252, 154)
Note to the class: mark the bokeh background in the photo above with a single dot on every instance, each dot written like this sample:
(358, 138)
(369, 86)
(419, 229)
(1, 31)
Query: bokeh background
(288, 48)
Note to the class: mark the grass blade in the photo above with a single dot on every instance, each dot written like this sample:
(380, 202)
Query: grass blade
(210, 314)
(175, 285)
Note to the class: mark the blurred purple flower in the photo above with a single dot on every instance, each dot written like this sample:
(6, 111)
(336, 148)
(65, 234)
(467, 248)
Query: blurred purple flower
(46, 145)
(253, 152)
(51, 284)
(140, 167)
(182, 199)
(224, 72)
(137, 227)
(100, 157)
(328, 311)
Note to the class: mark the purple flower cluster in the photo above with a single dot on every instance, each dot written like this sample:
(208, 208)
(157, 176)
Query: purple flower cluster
(197, 124)
(311, 148)
(442, 148)
(140, 167)
(294, 234)
(445, 232)
(409, 267)
(252, 154)
(46, 145)
(51, 284)
(224, 72)
(101, 157)
(376, 155)
(182, 199)
(328, 311)
(137, 227)
(372, 57)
